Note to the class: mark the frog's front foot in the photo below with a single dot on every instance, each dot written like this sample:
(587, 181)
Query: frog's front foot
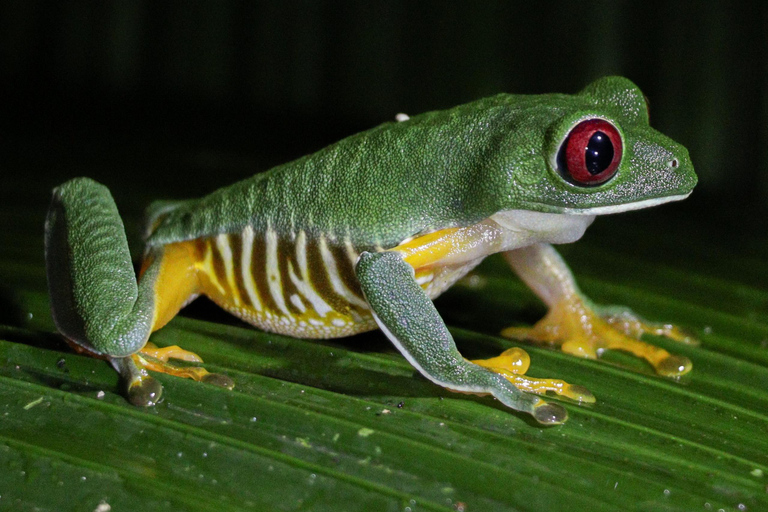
(514, 362)
(581, 331)
(628, 322)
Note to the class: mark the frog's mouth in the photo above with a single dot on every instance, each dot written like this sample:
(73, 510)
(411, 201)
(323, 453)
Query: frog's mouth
(618, 208)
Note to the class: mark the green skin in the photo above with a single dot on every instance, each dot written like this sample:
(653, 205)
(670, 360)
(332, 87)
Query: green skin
(437, 170)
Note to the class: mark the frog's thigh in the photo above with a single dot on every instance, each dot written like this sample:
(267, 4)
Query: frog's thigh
(176, 280)
(174, 283)
(95, 299)
(407, 316)
(571, 323)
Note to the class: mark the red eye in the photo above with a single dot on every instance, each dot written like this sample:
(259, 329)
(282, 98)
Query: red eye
(591, 153)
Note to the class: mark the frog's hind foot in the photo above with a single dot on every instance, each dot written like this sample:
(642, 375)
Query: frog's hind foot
(144, 390)
(172, 352)
(140, 388)
(512, 365)
(156, 359)
(578, 330)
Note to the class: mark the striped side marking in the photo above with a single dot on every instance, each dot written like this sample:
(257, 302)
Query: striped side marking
(225, 251)
(286, 258)
(321, 281)
(296, 301)
(352, 254)
(259, 273)
(304, 285)
(208, 267)
(290, 278)
(329, 260)
(272, 271)
(245, 268)
(236, 244)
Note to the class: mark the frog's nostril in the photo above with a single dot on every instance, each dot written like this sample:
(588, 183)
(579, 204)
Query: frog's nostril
(674, 163)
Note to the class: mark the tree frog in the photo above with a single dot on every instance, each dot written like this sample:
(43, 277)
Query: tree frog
(366, 232)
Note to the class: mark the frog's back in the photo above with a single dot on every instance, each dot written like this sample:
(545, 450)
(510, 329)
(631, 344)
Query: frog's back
(279, 249)
(372, 189)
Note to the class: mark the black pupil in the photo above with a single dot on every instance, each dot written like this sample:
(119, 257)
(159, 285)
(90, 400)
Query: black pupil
(599, 153)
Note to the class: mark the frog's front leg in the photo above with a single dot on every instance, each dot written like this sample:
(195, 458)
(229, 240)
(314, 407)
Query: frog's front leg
(580, 328)
(407, 316)
(96, 301)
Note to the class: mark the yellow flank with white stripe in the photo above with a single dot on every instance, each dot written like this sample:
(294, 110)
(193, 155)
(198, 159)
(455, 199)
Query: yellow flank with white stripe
(290, 285)
(272, 270)
(207, 267)
(225, 251)
(303, 286)
(245, 269)
(333, 273)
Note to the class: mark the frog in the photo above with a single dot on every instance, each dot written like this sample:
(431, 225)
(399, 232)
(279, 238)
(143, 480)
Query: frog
(365, 233)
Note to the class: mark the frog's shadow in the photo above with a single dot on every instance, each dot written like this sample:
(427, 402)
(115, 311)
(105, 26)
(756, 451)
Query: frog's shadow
(396, 390)
(318, 364)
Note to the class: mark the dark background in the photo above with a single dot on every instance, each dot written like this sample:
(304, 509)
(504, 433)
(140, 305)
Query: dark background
(173, 99)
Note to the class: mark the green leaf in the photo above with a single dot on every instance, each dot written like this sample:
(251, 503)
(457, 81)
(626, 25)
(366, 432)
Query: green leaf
(349, 425)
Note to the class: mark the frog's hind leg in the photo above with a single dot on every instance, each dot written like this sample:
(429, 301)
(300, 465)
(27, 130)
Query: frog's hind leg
(96, 301)
(578, 327)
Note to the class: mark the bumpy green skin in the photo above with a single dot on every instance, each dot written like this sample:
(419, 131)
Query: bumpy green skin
(95, 299)
(437, 170)
(445, 169)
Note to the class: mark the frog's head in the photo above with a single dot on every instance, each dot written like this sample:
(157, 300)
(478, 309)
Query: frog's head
(595, 153)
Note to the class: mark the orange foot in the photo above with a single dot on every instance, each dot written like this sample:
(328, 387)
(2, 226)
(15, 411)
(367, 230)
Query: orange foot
(578, 330)
(514, 362)
(156, 359)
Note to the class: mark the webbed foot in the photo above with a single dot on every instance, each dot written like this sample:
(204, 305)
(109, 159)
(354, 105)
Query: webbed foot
(156, 359)
(144, 390)
(628, 322)
(141, 388)
(514, 362)
(581, 331)
(172, 352)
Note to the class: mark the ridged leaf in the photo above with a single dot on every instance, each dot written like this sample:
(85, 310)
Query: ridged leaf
(349, 425)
